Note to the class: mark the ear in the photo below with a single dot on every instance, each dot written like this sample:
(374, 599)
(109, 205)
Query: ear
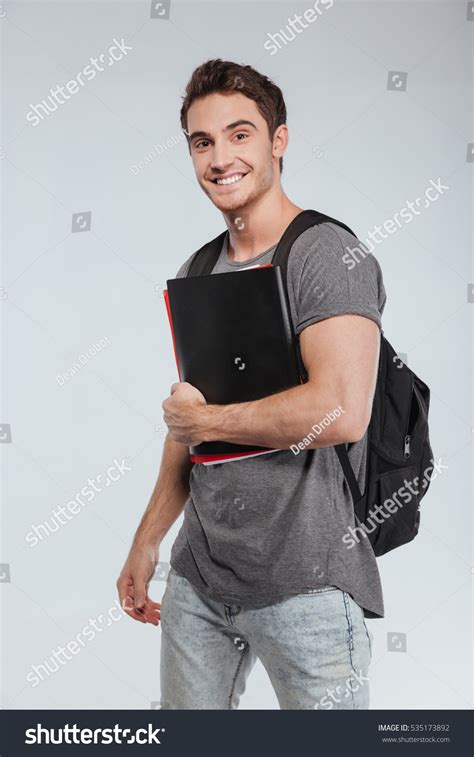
(280, 141)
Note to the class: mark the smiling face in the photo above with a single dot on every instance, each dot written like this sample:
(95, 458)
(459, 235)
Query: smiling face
(234, 158)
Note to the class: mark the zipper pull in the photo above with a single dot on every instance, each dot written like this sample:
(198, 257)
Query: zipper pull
(406, 446)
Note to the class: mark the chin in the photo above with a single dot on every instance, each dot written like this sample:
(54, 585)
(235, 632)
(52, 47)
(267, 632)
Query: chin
(230, 203)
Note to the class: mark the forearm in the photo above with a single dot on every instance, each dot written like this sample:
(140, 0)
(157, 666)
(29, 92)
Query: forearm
(284, 419)
(169, 495)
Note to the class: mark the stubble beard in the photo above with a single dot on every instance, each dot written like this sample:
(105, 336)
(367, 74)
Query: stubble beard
(262, 183)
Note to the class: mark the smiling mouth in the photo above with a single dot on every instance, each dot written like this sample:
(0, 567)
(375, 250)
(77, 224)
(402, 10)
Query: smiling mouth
(229, 180)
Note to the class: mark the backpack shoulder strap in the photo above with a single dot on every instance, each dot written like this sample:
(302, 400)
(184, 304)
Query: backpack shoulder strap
(206, 257)
(305, 220)
(347, 469)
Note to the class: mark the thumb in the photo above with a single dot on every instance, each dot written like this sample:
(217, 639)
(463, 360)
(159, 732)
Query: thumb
(140, 592)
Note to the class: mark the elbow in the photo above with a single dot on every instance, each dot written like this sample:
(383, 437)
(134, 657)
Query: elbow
(355, 434)
(354, 429)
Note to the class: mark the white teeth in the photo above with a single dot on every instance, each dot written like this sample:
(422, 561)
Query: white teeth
(230, 180)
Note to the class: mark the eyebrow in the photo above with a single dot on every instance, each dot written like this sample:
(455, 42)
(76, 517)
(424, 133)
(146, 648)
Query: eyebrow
(205, 134)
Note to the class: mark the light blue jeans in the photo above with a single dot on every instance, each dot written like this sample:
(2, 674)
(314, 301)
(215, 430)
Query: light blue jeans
(315, 647)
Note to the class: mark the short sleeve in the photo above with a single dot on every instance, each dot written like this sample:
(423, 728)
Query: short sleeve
(326, 281)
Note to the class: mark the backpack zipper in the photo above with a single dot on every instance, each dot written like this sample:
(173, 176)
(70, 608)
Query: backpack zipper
(406, 446)
(407, 437)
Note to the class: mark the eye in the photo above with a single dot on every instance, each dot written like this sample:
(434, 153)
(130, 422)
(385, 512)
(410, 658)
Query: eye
(241, 134)
(203, 143)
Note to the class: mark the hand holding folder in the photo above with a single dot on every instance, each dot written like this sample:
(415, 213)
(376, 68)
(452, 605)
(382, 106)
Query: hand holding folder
(234, 341)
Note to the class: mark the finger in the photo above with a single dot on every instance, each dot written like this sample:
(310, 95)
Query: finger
(154, 605)
(126, 591)
(152, 609)
(140, 591)
(123, 583)
(129, 608)
(152, 616)
(148, 613)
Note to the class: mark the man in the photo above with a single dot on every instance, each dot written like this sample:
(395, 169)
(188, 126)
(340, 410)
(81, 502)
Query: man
(259, 568)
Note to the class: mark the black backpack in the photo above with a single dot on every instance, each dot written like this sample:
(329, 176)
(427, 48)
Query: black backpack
(398, 445)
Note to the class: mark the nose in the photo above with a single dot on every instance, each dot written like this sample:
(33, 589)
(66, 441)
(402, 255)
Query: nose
(221, 157)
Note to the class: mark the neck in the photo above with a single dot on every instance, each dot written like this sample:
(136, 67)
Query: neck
(258, 227)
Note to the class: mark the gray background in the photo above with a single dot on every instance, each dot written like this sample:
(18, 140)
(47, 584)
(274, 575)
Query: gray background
(63, 291)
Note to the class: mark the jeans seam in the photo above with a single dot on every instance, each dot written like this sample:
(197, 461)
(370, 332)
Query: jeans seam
(369, 639)
(351, 638)
(229, 705)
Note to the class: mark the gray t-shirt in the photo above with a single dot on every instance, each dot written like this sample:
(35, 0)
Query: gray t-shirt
(260, 530)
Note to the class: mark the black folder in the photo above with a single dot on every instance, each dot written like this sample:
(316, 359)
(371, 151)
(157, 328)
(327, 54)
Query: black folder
(233, 339)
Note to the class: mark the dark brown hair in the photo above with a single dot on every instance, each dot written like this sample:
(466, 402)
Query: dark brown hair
(226, 77)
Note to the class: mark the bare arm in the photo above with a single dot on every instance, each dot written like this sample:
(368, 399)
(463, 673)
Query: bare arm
(341, 357)
(169, 495)
(166, 504)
